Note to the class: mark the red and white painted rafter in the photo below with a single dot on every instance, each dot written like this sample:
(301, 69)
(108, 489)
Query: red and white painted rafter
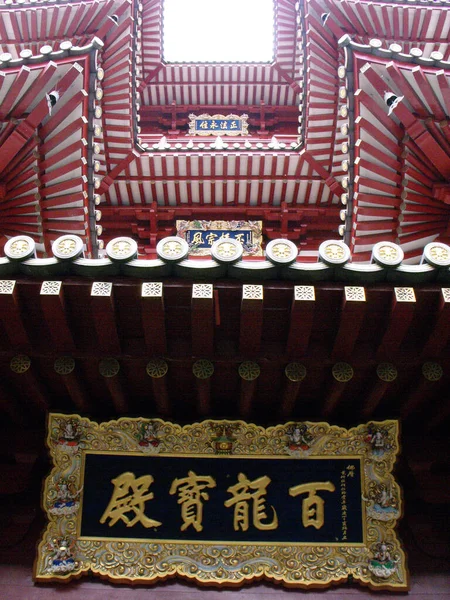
(400, 158)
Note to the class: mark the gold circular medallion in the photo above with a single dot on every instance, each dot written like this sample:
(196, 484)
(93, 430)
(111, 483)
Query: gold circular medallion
(295, 371)
(249, 370)
(387, 372)
(64, 365)
(203, 369)
(432, 371)
(157, 368)
(342, 372)
(109, 367)
(20, 363)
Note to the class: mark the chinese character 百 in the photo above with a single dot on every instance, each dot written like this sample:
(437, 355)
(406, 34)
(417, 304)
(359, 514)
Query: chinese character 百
(191, 496)
(312, 505)
(242, 496)
(129, 495)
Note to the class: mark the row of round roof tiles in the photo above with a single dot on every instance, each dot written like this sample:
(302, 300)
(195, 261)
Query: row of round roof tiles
(25, 3)
(282, 261)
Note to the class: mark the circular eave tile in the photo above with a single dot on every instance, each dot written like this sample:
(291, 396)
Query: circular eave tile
(122, 249)
(281, 252)
(334, 253)
(67, 247)
(20, 247)
(172, 249)
(387, 254)
(227, 250)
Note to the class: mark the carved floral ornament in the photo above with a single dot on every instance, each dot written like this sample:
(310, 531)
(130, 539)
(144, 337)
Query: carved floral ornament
(114, 513)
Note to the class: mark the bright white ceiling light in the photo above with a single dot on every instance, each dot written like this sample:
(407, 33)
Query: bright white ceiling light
(212, 31)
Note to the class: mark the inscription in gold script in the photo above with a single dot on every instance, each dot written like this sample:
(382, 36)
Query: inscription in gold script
(312, 505)
(241, 498)
(191, 495)
(129, 495)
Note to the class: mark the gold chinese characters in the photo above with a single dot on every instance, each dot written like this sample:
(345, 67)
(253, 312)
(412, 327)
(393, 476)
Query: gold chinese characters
(247, 497)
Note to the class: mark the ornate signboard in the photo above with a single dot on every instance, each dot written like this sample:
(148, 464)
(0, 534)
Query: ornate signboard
(219, 502)
(201, 235)
(218, 125)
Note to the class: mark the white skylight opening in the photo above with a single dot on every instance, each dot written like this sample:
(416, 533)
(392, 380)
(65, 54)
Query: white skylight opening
(213, 31)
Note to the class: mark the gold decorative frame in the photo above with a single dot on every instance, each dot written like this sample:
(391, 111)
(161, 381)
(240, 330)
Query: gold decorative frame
(379, 562)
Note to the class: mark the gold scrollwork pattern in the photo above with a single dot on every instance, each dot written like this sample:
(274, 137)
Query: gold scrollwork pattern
(379, 562)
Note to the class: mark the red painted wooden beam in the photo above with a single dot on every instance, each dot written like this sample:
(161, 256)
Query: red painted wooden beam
(118, 395)
(76, 392)
(109, 178)
(251, 322)
(352, 316)
(422, 137)
(301, 320)
(373, 398)
(53, 307)
(11, 317)
(104, 318)
(202, 320)
(203, 396)
(402, 311)
(153, 318)
(246, 399)
(161, 397)
(440, 330)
